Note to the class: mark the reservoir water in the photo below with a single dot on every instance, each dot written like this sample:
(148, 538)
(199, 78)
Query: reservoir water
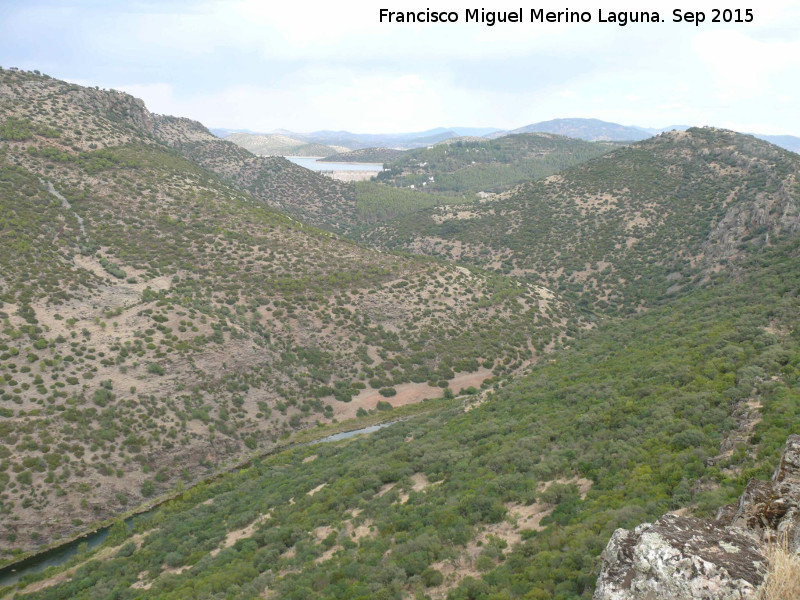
(310, 162)
(11, 574)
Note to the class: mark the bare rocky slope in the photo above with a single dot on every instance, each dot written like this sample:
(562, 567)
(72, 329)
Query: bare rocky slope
(683, 558)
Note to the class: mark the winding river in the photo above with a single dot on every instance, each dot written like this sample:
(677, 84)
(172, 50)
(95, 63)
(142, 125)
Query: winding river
(12, 573)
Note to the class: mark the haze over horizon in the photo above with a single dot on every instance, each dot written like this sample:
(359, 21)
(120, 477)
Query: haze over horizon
(312, 66)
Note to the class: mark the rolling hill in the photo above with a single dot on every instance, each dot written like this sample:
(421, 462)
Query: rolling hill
(624, 230)
(469, 166)
(367, 155)
(591, 130)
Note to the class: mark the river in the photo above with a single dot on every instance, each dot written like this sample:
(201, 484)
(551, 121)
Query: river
(12, 573)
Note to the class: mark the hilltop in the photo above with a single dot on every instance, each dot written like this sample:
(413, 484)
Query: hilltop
(591, 130)
(161, 319)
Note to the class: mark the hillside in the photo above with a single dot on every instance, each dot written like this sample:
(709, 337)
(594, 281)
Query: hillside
(671, 410)
(627, 229)
(273, 180)
(367, 155)
(280, 145)
(162, 321)
(468, 167)
(159, 322)
(304, 194)
(591, 130)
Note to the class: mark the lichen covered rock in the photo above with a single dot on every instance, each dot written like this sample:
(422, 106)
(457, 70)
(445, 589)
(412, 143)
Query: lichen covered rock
(680, 557)
(683, 558)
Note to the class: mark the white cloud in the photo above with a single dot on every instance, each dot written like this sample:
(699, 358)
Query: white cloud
(742, 67)
(316, 101)
(318, 64)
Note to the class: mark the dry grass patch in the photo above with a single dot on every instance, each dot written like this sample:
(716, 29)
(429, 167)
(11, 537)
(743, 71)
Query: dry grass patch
(783, 573)
(315, 490)
(365, 529)
(239, 534)
(509, 530)
(385, 489)
(419, 482)
(142, 583)
(583, 485)
(327, 555)
(322, 532)
(527, 516)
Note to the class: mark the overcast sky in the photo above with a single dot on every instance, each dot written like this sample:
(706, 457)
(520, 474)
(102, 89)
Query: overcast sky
(310, 65)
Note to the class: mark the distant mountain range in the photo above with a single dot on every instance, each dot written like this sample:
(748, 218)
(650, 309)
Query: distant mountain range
(356, 141)
(591, 130)
(789, 142)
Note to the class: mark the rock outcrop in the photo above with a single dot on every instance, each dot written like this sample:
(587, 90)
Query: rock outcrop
(683, 558)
